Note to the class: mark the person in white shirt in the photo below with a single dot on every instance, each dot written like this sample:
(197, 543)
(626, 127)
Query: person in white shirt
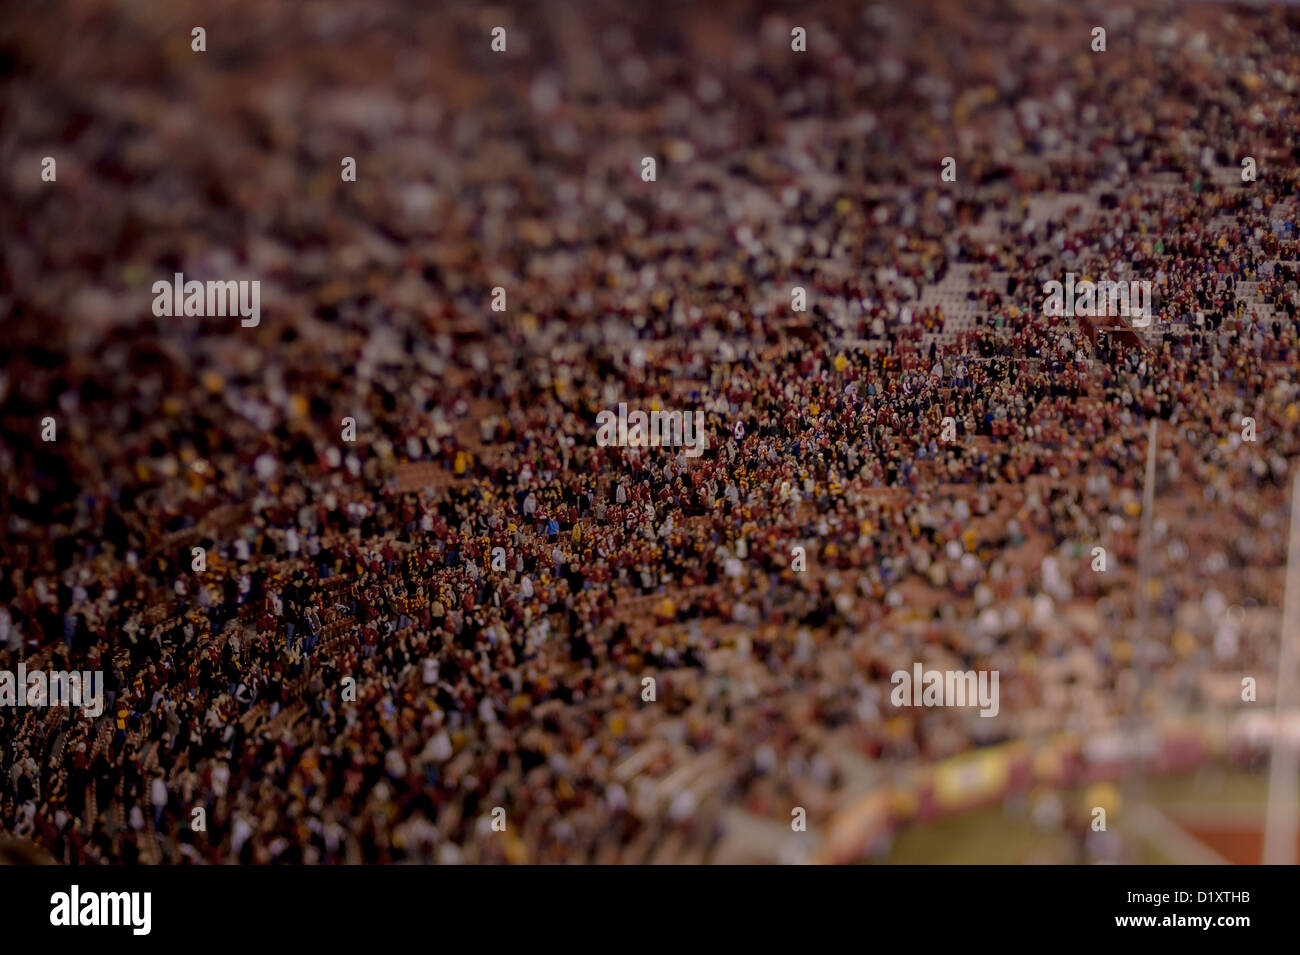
(10, 636)
(158, 797)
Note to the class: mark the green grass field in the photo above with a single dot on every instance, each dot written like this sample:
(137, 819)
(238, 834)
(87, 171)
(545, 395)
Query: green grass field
(1007, 835)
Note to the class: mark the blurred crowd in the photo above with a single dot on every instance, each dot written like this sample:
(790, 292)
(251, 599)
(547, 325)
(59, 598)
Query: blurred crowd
(458, 610)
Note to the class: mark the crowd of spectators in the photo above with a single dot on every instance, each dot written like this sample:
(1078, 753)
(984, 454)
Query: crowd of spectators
(457, 611)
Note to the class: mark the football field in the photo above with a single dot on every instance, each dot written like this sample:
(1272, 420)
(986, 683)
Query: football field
(1213, 815)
